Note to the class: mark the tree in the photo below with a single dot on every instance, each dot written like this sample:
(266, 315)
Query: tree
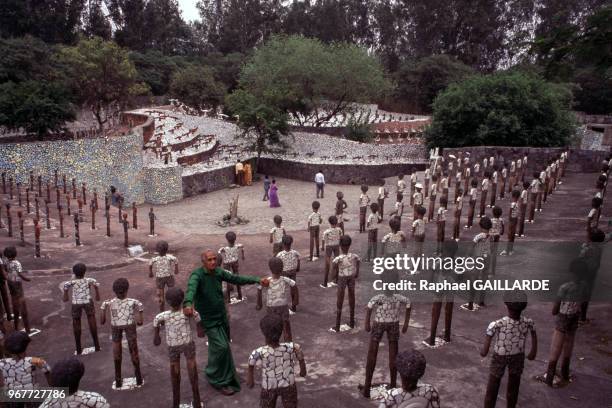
(35, 106)
(577, 50)
(226, 67)
(502, 109)
(95, 23)
(33, 97)
(155, 69)
(240, 25)
(196, 86)
(358, 131)
(128, 18)
(307, 78)
(421, 81)
(54, 21)
(263, 125)
(102, 76)
(166, 30)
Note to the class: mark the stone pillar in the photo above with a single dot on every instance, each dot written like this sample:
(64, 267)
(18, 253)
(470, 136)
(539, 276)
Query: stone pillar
(48, 214)
(28, 209)
(151, 222)
(125, 230)
(9, 220)
(77, 235)
(21, 236)
(107, 212)
(134, 216)
(61, 220)
(80, 204)
(37, 207)
(36, 239)
(93, 209)
(84, 194)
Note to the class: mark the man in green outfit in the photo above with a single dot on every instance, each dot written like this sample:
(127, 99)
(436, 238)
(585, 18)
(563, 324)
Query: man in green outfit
(205, 293)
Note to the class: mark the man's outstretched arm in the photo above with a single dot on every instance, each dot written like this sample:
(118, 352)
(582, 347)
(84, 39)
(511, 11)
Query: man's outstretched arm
(237, 279)
(192, 287)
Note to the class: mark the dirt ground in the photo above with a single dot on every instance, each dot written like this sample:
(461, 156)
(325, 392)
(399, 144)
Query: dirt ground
(335, 362)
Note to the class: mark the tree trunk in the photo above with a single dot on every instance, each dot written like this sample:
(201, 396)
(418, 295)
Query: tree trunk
(234, 208)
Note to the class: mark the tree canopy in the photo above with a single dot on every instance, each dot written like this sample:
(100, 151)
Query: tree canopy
(263, 125)
(196, 86)
(308, 78)
(420, 81)
(33, 94)
(102, 76)
(569, 51)
(422, 45)
(503, 109)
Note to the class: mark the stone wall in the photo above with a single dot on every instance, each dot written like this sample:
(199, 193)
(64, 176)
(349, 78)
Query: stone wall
(99, 162)
(144, 124)
(336, 173)
(162, 185)
(207, 181)
(580, 160)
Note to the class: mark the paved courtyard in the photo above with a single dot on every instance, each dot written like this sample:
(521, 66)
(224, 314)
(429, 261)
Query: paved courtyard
(336, 362)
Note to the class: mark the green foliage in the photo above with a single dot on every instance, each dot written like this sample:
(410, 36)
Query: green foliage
(35, 106)
(196, 86)
(226, 67)
(305, 76)
(263, 125)
(53, 21)
(504, 109)
(95, 23)
(155, 69)
(102, 76)
(33, 97)
(578, 51)
(358, 131)
(422, 80)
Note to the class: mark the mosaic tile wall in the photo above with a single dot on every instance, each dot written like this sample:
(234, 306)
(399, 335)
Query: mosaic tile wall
(371, 174)
(98, 162)
(162, 185)
(207, 181)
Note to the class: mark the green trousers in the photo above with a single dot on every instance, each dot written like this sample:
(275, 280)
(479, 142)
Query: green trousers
(220, 370)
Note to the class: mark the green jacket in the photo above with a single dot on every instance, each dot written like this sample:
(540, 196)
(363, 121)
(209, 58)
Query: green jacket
(205, 293)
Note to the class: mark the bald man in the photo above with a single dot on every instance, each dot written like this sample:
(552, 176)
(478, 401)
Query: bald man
(205, 293)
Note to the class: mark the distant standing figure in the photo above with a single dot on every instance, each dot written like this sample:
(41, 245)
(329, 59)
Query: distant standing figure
(116, 197)
(239, 173)
(320, 182)
(248, 174)
(274, 195)
(266, 185)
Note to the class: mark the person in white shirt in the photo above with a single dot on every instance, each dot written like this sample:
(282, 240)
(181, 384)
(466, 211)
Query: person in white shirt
(320, 182)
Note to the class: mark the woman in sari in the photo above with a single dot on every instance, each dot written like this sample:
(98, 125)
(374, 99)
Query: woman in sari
(274, 202)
